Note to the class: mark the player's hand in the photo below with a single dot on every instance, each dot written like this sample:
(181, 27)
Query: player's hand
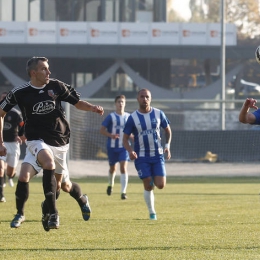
(98, 109)
(18, 140)
(168, 153)
(114, 136)
(251, 103)
(2, 149)
(133, 155)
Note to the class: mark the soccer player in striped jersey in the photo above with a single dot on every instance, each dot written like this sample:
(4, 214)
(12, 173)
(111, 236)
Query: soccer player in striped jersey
(145, 124)
(112, 127)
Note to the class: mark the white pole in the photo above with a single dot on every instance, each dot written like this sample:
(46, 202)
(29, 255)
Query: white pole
(223, 63)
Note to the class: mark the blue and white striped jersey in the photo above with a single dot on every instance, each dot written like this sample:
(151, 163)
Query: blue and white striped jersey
(115, 124)
(146, 130)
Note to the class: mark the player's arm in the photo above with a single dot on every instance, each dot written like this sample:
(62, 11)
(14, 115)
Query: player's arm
(103, 131)
(86, 106)
(21, 138)
(244, 116)
(131, 152)
(168, 138)
(2, 146)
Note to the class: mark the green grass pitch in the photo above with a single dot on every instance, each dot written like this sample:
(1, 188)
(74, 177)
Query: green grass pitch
(198, 218)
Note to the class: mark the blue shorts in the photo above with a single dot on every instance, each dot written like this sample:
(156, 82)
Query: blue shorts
(116, 155)
(150, 166)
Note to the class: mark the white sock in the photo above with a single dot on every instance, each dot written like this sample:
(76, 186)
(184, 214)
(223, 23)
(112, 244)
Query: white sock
(149, 200)
(111, 178)
(124, 182)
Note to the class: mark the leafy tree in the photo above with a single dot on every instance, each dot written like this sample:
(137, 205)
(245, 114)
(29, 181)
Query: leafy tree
(243, 13)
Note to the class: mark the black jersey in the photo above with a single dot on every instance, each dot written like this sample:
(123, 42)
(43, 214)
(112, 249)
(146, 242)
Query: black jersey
(42, 111)
(13, 123)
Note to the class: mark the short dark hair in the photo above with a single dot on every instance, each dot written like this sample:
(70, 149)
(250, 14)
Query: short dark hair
(120, 96)
(33, 62)
(143, 89)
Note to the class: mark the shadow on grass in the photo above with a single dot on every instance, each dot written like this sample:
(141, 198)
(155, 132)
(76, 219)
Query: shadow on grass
(153, 248)
(172, 179)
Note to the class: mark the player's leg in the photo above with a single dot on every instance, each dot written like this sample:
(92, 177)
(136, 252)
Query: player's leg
(2, 171)
(45, 209)
(12, 161)
(144, 170)
(123, 159)
(74, 190)
(22, 193)
(112, 159)
(159, 173)
(149, 196)
(45, 158)
(63, 181)
(157, 179)
(123, 179)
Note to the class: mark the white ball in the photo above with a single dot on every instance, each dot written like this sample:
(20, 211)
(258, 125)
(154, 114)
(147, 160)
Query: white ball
(257, 54)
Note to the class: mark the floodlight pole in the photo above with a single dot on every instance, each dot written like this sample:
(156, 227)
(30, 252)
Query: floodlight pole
(223, 63)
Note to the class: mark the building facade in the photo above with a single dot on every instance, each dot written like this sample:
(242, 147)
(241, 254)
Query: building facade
(171, 67)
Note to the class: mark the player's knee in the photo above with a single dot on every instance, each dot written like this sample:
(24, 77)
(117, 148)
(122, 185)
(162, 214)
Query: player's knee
(48, 165)
(148, 187)
(160, 186)
(58, 186)
(66, 186)
(24, 176)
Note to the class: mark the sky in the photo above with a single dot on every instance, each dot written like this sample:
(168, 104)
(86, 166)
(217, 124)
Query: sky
(182, 7)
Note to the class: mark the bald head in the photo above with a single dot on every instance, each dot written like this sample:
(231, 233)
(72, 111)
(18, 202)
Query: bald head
(144, 99)
(143, 90)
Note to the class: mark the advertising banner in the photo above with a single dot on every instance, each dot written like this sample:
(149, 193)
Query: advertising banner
(113, 33)
(214, 34)
(12, 32)
(134, 33)
(165, 34)
(193, 34)
(42, 32)
(72, 33)
(103, 33)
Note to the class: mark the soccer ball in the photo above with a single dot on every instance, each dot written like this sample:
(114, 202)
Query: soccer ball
(257, 54)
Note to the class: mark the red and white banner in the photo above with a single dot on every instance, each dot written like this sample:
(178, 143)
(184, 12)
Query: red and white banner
(214, 34)
(42, 32)
(193, 34)
(113, 33)
(103, 33)
(134, 33)
(12, 32)
(165, 34)
(72, 32)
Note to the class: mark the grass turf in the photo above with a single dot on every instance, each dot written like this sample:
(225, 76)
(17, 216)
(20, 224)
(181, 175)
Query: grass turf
(198, 218)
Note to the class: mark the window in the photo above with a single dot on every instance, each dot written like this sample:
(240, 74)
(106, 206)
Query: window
(121, 81)
(6, 10)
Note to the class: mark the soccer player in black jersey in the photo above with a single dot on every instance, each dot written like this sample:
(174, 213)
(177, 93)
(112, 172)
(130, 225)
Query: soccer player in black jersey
(13, 123)
(47, 133)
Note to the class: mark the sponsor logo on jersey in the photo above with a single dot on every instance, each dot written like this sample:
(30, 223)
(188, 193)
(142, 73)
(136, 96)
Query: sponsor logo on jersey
(41, 91)
(44, 107)
(148, 132)
(7, 126)
(119, 127)
(51, 94)
(140, 173)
